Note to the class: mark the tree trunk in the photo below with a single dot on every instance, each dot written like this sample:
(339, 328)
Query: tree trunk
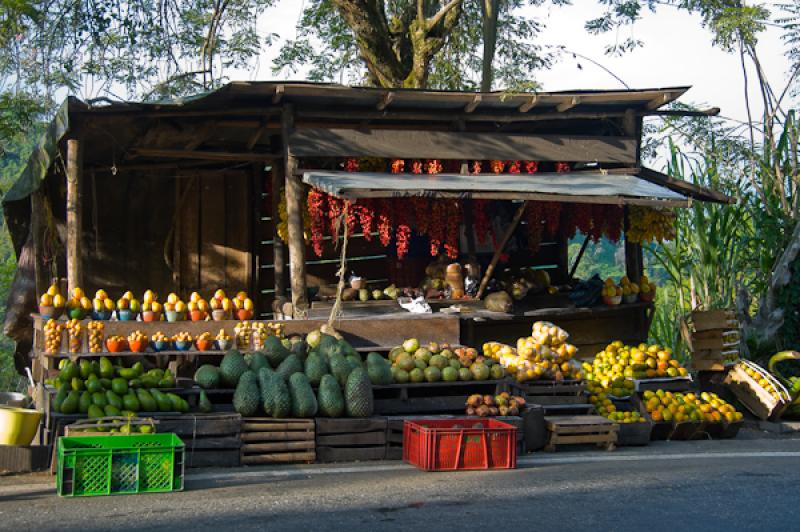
(399, 53)
(489, 9)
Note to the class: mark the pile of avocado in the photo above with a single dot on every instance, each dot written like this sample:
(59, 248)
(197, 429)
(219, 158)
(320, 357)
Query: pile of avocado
(98, 388)
(280, 380)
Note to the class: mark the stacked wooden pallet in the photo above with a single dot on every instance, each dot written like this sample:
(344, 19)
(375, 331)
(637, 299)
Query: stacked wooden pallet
(350, 440)
(714, 337)
(269, 440)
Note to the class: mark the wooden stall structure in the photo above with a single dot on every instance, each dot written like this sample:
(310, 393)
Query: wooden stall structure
(209, 192)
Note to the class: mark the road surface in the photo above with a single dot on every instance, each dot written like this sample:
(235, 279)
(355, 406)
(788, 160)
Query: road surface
(721, 485)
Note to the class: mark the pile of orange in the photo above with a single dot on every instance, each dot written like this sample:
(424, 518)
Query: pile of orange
(676, 407)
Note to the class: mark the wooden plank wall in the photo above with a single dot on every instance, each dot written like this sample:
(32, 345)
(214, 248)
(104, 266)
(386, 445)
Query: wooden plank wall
(213, 235)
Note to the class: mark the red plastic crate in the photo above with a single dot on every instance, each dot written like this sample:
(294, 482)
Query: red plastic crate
(453, 444)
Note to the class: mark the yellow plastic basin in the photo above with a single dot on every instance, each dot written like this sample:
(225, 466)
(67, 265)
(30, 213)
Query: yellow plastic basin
(18, 425)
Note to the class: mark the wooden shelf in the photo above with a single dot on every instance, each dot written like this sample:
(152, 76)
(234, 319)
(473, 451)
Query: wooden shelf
(143, 353)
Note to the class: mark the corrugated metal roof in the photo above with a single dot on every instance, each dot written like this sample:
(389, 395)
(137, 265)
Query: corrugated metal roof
(578, 187)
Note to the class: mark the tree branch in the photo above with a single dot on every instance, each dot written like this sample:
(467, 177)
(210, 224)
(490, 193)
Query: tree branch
(438, 17)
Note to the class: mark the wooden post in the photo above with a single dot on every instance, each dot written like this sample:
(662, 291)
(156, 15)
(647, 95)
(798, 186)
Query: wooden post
(278, 247)
(294, 211)
(38, 228)
(74, 214)
(499, 251)
(634, 261)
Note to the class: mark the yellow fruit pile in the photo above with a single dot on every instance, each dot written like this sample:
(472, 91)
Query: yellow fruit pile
(545, 354)
(95, 336)
(137, 336)
(606, 408)
(75, 335)
(150, 302)
(648, 224)
(610, 289)
(678, 407)
(765, 380)
(52, 336)
(283, 220)
(160, 337)
(222, 335)
(102, 302)
(613, 369)
(243, 331)
(182, 336)
(52, 298)
(205, 336)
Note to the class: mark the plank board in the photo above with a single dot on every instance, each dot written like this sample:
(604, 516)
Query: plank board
(278, 458)
(427, 144)
(212, 231)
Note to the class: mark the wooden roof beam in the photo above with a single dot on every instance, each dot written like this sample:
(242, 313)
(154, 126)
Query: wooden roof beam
(568, 104)
(385, 101)
(527, 106)
(471, 106)
(206, 155)
(254, 138)
(278, 94)
(663, 99)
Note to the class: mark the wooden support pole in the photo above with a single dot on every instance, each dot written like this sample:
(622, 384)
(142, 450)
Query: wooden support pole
(294, 211)
(578, 259)
(499, 251)
(74, 214)
(278, 247)
(634, 260)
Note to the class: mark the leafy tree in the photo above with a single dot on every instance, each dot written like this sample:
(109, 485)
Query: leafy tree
(406, 43)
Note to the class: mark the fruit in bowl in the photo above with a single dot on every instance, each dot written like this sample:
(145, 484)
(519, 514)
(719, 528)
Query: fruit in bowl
(612, 294)
(182, 341)
(223, 340)
(102, 306)
(204, 341)
(647, 289)
(243, 306)
(115, 344)
(51, 303)
(160, 341)
(137, 341)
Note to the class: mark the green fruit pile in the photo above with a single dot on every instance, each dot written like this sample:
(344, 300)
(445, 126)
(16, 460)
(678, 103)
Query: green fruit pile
(280, 380)
(98, 388)
(411, 362)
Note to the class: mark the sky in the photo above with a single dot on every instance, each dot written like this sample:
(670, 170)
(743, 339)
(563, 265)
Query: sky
(677, 51)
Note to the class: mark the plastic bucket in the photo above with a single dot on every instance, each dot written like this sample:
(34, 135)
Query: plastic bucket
(18, 425)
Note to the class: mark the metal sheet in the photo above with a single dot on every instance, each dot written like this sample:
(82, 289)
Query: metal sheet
(579, 187)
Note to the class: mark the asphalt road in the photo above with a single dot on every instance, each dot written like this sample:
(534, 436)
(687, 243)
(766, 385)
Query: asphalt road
(728, 485)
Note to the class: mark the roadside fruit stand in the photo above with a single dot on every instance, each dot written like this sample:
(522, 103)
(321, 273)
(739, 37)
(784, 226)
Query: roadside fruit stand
(291, 226)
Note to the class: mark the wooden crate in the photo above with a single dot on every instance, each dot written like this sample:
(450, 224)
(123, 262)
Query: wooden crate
(572, 430)
(267, 440)
(552, 393)
(431, 397)
(212, 440)
(707, 320)
(755, 398)
(350, 440)
(24, 459)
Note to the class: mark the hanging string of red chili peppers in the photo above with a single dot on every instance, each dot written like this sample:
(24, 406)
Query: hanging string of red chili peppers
(533, 219)
(480, 220)
(316, 210)
(385, 218)
(453, 209)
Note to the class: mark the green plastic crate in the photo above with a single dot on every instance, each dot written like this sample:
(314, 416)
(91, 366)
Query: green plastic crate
(111, 465)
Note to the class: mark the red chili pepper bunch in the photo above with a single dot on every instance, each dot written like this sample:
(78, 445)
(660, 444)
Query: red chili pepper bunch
(398, 166)
(475, 167)
(351, 165)
(497, 166)
(434, 166)
(416, 166)
(531, 167)
(453, 210)
(533, 219)
(551, 212)
(598, 222)
(480, 220)
(615, 217)
(403, 233)
(365, 210)
(581, 215)
(437, 225)
(513, 167)
(421, 207)
(316, 211)
(563, 167)
(385, 212)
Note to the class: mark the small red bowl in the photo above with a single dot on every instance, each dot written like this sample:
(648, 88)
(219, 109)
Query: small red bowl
(197, 315)
(204, 345)
(138, 346)
(244, 314)
(150, 316)
(115, 346)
